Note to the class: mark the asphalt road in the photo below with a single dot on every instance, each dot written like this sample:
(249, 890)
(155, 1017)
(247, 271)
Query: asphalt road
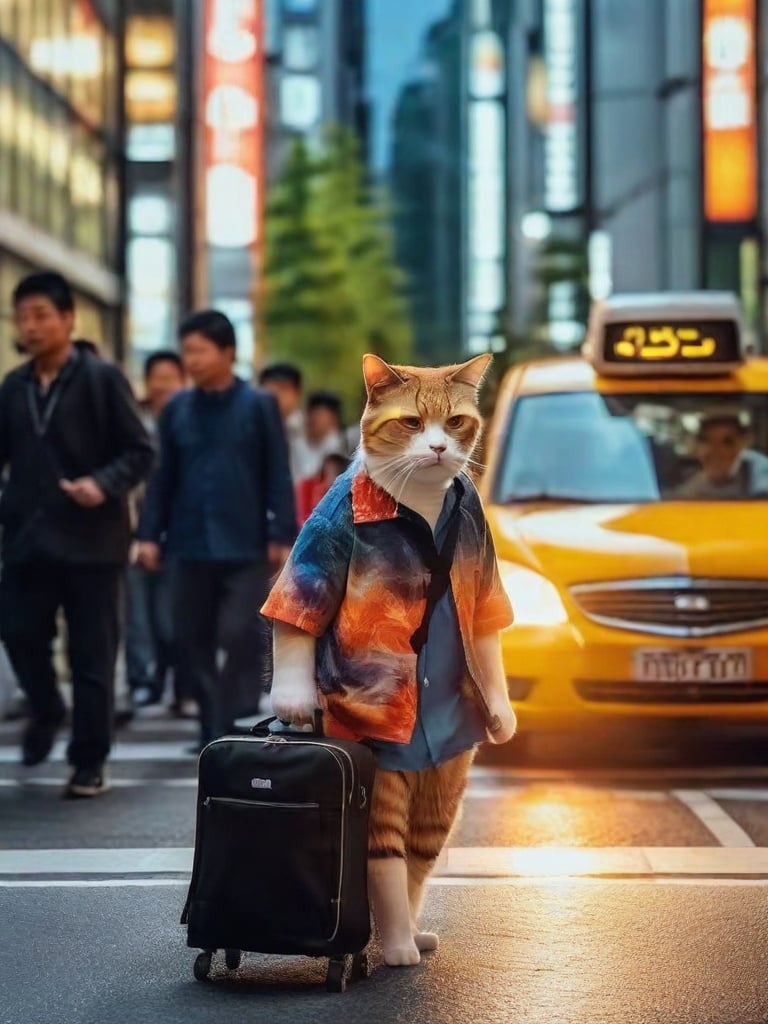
(626, 885)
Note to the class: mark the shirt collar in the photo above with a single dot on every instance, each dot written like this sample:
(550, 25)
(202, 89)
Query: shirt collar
(372, 504)
(74, 357)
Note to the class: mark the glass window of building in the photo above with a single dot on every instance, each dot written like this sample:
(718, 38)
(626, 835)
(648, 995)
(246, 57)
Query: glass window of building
(299, 6)
(7, 133)
(301, 46)
(8, 19)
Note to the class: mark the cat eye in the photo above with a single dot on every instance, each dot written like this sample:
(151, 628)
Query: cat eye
(411, 422)
(455, 422)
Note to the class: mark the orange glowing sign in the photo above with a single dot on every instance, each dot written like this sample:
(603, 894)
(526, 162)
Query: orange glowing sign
(730, 118)
(233, 106)
(715, 341)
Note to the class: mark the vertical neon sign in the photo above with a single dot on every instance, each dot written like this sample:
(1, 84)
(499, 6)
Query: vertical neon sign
(233, 106)
(730, 116)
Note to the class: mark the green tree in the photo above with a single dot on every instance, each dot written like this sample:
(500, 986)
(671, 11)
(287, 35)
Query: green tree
(331, 288)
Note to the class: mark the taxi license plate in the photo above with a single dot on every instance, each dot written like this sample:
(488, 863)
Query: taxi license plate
(692, 665)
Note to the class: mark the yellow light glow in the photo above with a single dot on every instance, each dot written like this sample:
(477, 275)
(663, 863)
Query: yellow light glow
(558, 861)
(149, 42)
(535, 600)
(150, 96)
(665, 342)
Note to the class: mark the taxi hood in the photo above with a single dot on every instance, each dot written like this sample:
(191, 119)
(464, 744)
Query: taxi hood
(582, 543)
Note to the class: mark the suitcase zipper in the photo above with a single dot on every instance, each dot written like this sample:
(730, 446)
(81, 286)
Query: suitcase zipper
(259, 803)
(334, 752)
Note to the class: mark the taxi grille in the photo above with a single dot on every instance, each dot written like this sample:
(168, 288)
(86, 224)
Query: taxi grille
(681, 606)
(672, 693)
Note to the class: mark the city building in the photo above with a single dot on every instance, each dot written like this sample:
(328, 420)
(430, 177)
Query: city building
(425, 180)
(159, 199)
(447, 175)
(267, 73)
(61, 179)
(636, 155)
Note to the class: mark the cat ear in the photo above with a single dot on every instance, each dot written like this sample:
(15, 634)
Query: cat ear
(472, 372)
(377, 373)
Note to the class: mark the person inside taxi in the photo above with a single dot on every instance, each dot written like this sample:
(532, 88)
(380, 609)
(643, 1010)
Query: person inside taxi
(729, 467)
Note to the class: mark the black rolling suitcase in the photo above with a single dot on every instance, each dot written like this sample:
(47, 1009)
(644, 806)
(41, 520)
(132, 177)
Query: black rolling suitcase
(281, 851)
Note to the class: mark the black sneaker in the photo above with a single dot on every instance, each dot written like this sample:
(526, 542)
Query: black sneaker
(87, 782)
(37, 741)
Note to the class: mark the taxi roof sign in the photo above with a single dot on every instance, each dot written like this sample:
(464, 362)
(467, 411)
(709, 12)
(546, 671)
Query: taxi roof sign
(663, 334)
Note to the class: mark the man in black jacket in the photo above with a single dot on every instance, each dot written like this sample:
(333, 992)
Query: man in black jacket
(73, 446)
(221, 506)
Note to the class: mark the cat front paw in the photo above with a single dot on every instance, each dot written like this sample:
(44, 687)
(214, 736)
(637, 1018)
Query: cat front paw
(295, 700)
(503, 726)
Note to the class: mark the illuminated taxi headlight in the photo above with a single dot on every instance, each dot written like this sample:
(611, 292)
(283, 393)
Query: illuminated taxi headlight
(535, 601)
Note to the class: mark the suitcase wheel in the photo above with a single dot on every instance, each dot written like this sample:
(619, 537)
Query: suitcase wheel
(336, 979)
(361, 967)
(232, 958)
(202, 965)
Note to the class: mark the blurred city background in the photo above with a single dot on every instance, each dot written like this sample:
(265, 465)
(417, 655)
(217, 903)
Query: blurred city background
(428, 179)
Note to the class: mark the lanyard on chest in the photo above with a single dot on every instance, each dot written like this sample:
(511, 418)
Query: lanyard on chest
(41, 419)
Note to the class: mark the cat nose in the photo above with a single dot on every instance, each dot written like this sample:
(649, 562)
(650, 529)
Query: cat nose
(438, 449)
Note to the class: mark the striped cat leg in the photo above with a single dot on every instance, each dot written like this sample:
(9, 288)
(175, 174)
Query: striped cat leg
(435, 804)
(387, 871)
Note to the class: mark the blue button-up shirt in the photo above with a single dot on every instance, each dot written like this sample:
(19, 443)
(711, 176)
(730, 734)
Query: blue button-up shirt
(222, 490)
(448, 721)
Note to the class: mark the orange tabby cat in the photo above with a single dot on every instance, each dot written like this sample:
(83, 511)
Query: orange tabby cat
(387, 616)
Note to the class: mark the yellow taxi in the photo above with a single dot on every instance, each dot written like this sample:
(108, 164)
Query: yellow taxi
(627, 493)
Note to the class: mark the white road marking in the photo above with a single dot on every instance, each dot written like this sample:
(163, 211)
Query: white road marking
(145, 861)
(758, 795)
(711, 814)
(23, 783)
(456, 862)
(439, 881)
(92, 883)
(168, 750)
(491, 792)
(588, 776)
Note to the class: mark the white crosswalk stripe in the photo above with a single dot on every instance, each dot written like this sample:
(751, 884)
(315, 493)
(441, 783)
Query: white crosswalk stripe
(734, 860)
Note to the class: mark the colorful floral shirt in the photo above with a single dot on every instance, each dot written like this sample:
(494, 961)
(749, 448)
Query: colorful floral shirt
(357, 581)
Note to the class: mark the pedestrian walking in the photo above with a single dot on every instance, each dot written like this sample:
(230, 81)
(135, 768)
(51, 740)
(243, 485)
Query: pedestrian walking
(74, 447)
(221, 505)
(150, 647)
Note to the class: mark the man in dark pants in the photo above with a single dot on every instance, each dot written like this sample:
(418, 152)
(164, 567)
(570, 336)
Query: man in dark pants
(74, 447)
(221, 505)
(150, 646)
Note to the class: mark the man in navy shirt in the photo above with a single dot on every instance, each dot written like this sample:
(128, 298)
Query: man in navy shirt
(220, 505)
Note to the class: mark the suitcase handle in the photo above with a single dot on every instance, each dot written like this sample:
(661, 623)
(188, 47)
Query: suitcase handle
(262, 728)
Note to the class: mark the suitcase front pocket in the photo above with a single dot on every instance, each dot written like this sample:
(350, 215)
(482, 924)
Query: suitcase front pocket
(271, 869)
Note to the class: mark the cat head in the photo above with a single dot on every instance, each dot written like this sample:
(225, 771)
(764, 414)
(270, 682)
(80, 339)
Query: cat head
(420, 425)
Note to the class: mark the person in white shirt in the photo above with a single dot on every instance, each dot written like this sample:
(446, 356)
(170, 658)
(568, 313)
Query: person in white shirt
(325, 434)
(284, 381)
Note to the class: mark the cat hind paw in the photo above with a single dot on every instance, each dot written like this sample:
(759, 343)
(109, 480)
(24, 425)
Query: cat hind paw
(426, 942)
(402, 956)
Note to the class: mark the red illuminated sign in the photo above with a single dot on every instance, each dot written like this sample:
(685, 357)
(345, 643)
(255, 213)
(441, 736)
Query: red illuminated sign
(730, 121)
(233, 113)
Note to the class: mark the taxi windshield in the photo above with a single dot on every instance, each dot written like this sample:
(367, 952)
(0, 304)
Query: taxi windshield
(629, 448)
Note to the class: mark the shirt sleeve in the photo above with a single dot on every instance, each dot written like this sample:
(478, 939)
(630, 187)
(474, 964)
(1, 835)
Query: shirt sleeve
(281, 510)
(493, 610)
(135, 457)
(156, 507)
(309, 591)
